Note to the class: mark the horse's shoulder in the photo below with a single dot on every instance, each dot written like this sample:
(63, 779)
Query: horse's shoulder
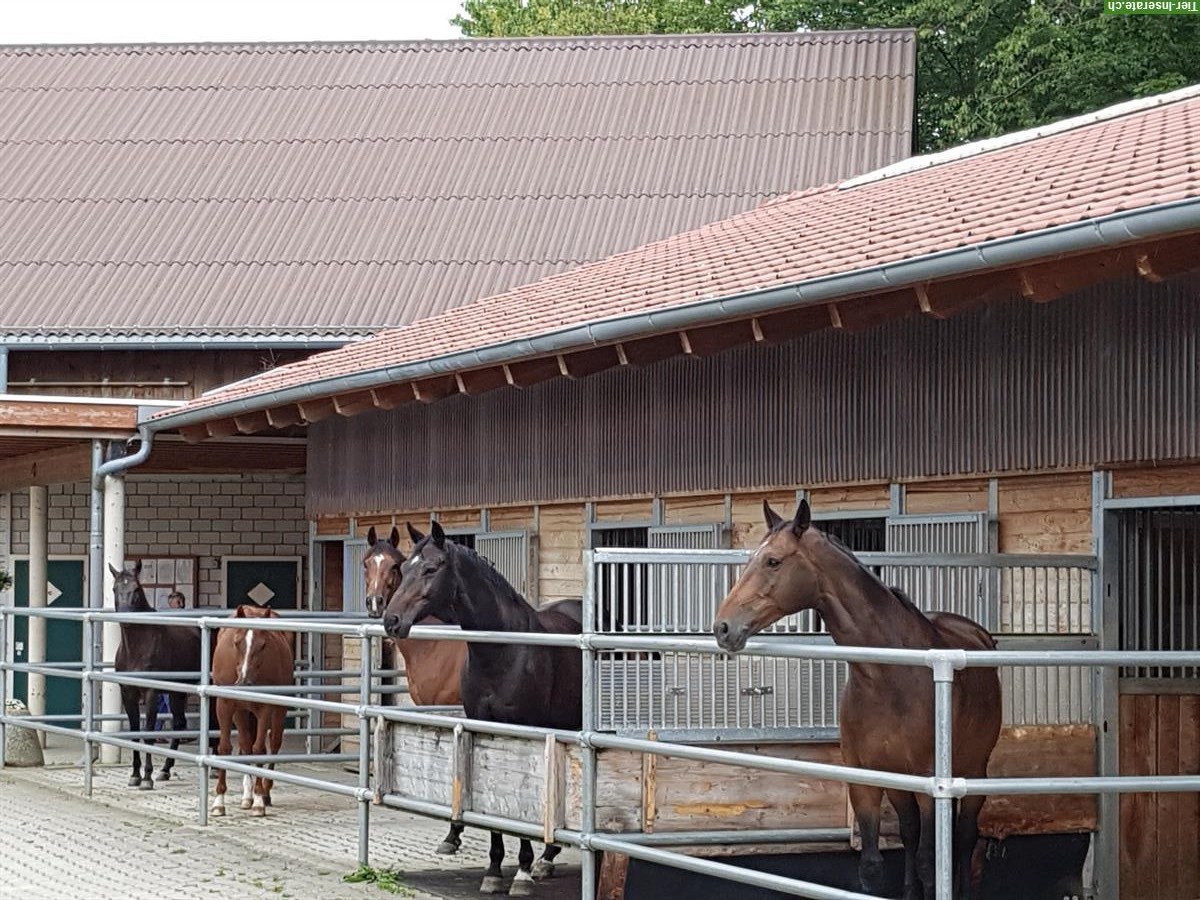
(961, 632)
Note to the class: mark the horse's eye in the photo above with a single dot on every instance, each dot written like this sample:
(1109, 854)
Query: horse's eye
(772, 562)
(429, 570)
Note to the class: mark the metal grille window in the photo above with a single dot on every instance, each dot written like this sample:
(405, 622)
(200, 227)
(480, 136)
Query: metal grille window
(509, 552)
(621, 597)
(1160, 590)
(354, 585)
(968, 591)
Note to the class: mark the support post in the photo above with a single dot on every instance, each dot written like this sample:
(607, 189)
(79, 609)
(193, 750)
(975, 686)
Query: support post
(204, 726)
(114, 555)
(1106, 690)
(39, 504)
(3, 684)
(588, 787)
(94, 601)
(88, 694)
(943, 801)
(364, 751)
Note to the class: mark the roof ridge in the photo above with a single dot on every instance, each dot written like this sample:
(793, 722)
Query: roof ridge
(452, 44)
(1015, 138)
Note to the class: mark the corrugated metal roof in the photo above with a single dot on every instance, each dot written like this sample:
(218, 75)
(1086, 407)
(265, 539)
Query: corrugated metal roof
(317, 188)
(1144, 159)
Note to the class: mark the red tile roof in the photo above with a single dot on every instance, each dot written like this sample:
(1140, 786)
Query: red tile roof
(1137, 160)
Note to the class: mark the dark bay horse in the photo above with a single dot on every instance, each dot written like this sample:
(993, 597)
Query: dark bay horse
(887, 711)
(433, 668)
(151, 648)
(514, 683)
(251, 658)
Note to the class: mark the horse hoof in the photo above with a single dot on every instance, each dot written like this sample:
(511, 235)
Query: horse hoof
(146, 784)
(492, 884)
(246, 804)
(522, 885)
(542, 870)
(217, 811)
(872, 876)
(258, 811)
(164, 775)
(134, 781)
(447, 848)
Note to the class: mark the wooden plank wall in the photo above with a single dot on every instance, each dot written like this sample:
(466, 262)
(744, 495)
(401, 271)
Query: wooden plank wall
(1160, 833)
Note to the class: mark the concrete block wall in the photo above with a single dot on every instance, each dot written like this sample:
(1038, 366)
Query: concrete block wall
(205, 516)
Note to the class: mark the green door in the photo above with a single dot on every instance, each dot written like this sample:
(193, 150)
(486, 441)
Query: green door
(64, 639)
(267, 582)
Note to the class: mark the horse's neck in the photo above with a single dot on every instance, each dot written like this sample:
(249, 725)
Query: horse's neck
(480, 606)
(143, 641)
(859, 611)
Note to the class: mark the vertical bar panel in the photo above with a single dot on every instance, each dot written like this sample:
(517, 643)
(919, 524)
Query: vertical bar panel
(588, 788)
(364, 751)
(202, 741)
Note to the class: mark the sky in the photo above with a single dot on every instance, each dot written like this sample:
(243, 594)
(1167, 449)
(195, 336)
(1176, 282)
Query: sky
(182, 21)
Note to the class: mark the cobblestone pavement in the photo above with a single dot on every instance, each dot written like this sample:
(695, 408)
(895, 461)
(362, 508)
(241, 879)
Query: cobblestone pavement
(125, 844)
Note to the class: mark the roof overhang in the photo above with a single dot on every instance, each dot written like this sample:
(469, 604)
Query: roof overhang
(1155, 242)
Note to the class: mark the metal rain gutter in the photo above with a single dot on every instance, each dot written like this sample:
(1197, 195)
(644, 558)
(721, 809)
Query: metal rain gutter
(1120, 228)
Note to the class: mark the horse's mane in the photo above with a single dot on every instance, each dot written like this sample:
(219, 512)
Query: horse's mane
(489, 572)
(900, 595)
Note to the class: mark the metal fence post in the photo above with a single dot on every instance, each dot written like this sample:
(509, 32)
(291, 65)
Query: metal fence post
(87, 699)
(943, 800)
(588, 788)
(3, 684)
(204, 725)
(364, 748)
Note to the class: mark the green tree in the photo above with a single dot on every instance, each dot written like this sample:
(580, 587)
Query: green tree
(984, 67)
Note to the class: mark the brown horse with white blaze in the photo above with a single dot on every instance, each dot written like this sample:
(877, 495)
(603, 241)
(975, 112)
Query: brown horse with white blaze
(886, 711)
(251, 657)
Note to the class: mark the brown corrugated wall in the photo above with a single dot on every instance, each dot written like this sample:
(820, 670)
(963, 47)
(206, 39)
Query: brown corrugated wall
(1109, 376)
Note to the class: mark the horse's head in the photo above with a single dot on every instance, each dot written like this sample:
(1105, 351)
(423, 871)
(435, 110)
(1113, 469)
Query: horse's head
(249, 652)
(128, 595)
(427, 584)
(381, 568)
(780, 579)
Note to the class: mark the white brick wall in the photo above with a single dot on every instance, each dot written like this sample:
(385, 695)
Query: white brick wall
(204, 516)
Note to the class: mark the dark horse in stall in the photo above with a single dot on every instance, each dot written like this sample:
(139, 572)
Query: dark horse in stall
(513, 683)
(151, 648)
(887, 711)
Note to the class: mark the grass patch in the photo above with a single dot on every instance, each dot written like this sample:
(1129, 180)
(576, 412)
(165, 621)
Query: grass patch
(390, 880)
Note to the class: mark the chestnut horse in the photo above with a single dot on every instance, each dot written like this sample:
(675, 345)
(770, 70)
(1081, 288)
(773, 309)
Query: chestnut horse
(515, 683)
(886, 711)
(251, 658)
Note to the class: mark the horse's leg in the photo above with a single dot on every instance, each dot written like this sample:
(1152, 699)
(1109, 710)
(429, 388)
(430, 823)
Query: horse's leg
(178, 704)
(522, 885)
(224, 746)
(129, 697)
(544, 867)
(453, 840)
(493, 878)
(966, 836)
(258, 806)
(278, 714)
(926, 849)
(866, 800)
(246, 730)
(150, 723)
(910, 833)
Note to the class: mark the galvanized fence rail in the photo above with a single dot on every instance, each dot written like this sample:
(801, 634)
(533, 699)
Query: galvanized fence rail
(942, 785)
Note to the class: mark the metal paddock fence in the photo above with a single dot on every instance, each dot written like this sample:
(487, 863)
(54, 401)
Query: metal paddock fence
(942, 785)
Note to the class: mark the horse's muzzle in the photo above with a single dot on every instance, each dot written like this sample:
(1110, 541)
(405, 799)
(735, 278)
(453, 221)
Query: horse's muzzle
(395, 626)
(375, 605)
(731, 636)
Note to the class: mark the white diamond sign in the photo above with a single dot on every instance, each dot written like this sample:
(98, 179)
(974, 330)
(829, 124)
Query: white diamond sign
(260, 594)
(52, 592)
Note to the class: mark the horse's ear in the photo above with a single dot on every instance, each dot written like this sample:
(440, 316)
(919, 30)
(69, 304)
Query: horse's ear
(394, 539)
(113, 569)
(773, 518)
(371, 536)
(137, 567)
(240, 612)
(803, 518)
(415, 536)
(439, 536)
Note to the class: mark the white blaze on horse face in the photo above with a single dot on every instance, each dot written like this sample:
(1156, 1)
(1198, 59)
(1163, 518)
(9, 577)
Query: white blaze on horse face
(246, 656)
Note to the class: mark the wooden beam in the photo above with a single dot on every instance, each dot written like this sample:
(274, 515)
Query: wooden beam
(57, 466)
(316, 410)
(1057, 278)
(534, 371)
(353, 404)
(67, 414)
(251, 423)
(1166, 259)
(944, 299)
(284, 416)
(433, 389)
(590, 362)
(654, 349)
(194, 434)
(221, 428)
(791, 323)
(480, 381)
(393, 396)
